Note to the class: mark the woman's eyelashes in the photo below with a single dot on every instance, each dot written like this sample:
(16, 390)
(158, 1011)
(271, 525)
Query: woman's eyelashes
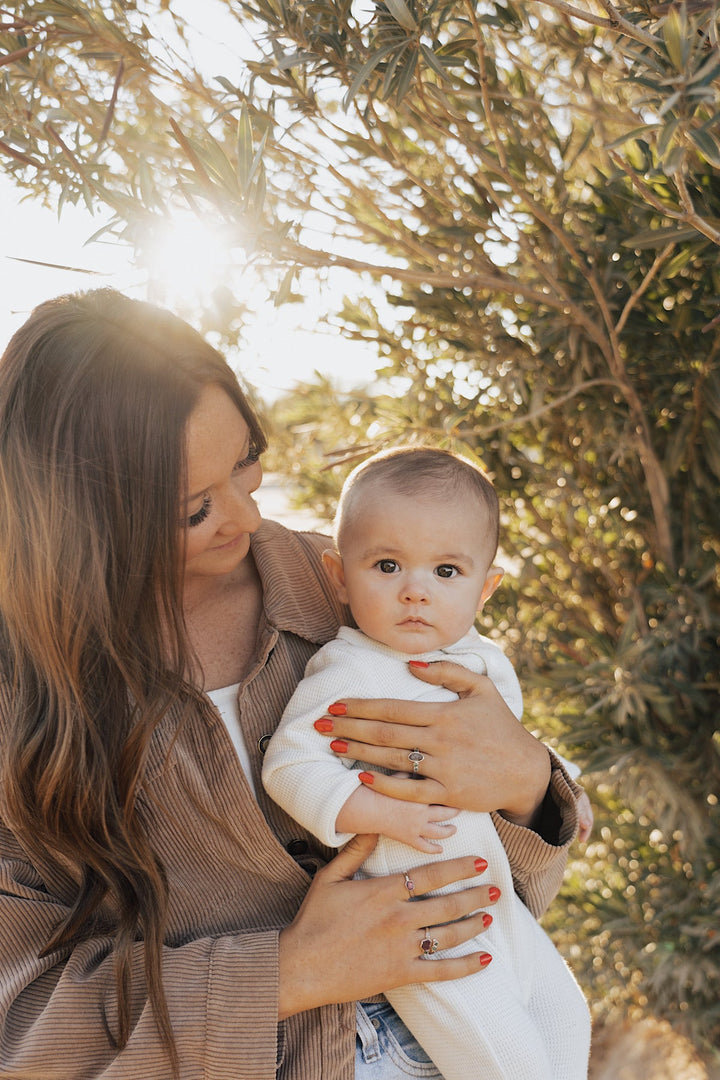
(200, 515)
(252, 456)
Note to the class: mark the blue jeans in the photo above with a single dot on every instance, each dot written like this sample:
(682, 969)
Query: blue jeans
(386, 1050)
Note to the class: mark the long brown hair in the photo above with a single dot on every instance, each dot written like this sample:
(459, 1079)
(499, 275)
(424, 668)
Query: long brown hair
(95, 393)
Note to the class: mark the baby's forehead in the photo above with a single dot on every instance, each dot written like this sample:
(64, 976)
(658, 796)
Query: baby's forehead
(376, 492)
(388, 514)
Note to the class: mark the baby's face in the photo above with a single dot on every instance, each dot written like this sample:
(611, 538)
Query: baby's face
(415, 571)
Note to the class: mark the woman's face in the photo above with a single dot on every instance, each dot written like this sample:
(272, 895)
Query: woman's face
(223, 470)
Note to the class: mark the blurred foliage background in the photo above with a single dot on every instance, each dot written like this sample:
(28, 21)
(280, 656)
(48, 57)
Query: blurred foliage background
(529, 194)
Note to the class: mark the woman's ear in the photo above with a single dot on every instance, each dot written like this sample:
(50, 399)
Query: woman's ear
(492, 579)
(333, 564)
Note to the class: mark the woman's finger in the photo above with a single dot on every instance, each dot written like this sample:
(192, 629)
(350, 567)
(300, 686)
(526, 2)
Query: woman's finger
(405, 788)
(393, 710)
(416, 714)
(443, 814)
(435, 875)
(453, 677)
(348, 861)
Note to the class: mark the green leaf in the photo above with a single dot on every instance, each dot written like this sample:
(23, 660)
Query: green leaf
(675, 36)
(244, 147)
(674, 161)
(366, 70)
(284, 292)
(391, 70)
(401, 13)
(707, 145)
(433, 62)
(667, 135)
(296, 59)
(634, 133)
(227, 85)
(406, 76)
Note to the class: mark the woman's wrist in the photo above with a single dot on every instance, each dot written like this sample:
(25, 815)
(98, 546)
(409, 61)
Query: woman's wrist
(530, 807)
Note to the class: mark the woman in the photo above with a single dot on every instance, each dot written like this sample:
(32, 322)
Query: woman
(155, 914)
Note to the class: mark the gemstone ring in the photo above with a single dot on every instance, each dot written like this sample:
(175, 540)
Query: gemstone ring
(416, 757)
(429, 945)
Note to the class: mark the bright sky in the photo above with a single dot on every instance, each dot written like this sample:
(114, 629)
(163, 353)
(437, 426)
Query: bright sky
(284, 345)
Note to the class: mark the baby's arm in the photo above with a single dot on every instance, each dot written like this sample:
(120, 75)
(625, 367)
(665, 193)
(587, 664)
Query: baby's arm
(416, 824)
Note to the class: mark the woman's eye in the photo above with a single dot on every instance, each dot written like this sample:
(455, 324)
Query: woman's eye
(387, 566)
(446, 571)
(253, 455)
(200, 515)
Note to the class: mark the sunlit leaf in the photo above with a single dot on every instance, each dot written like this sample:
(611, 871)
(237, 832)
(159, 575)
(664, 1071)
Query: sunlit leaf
(674, 34)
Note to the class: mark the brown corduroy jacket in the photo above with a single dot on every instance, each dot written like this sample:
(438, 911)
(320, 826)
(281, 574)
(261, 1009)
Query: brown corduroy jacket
(238, 870)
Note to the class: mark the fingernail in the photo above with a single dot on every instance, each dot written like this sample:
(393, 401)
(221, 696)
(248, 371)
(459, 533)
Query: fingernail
(480, 866)
(366, 777)
(418, 663)
(339, 746)
(485, 959)
(323, 724)
(494, 893)
(338, 709)
(486, 919)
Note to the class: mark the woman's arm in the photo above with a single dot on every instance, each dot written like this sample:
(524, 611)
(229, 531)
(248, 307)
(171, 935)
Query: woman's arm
(225, 993)
(58, 1011)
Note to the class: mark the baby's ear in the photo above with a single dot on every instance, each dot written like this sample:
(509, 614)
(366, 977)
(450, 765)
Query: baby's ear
(334, 568)
(492, 579)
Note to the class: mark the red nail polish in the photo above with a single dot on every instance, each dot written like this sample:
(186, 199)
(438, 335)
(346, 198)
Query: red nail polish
(480, 866)
(338, 709)
(323, 724)
(366, 777)
(485, 959)
(494, 893)
(339, 746)
(418, 663)
(486, 920)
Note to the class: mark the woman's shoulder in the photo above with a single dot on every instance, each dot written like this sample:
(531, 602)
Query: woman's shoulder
(279, 542)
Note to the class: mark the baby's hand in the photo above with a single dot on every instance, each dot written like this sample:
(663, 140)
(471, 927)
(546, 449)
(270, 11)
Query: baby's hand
(419, 825)
(585, 818)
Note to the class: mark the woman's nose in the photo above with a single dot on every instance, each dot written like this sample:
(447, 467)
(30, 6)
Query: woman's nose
(240, 511)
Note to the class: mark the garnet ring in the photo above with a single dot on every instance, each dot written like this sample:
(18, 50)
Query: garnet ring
(429, 945)
(416, 757)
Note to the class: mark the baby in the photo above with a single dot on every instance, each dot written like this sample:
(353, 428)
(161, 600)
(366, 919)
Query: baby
(416, 534)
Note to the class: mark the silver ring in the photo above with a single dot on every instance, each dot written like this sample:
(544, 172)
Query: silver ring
(409, 883)
(429, 945)
(416, 757)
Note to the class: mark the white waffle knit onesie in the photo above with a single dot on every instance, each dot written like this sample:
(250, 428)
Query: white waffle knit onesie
(521, 1018)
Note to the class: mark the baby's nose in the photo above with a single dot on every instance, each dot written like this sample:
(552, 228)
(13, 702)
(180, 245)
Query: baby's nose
(414, 592)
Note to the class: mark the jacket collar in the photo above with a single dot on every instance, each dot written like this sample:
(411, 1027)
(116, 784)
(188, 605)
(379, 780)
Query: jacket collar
(298, 596)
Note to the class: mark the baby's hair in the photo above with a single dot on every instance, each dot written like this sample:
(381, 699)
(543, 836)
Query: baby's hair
(420, 470)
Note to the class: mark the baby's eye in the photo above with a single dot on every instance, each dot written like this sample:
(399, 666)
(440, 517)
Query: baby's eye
(446, 571)
(253, 455)
(387, 566)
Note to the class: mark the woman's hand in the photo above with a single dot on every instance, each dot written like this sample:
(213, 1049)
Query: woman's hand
(476, 756)
(355, 938)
